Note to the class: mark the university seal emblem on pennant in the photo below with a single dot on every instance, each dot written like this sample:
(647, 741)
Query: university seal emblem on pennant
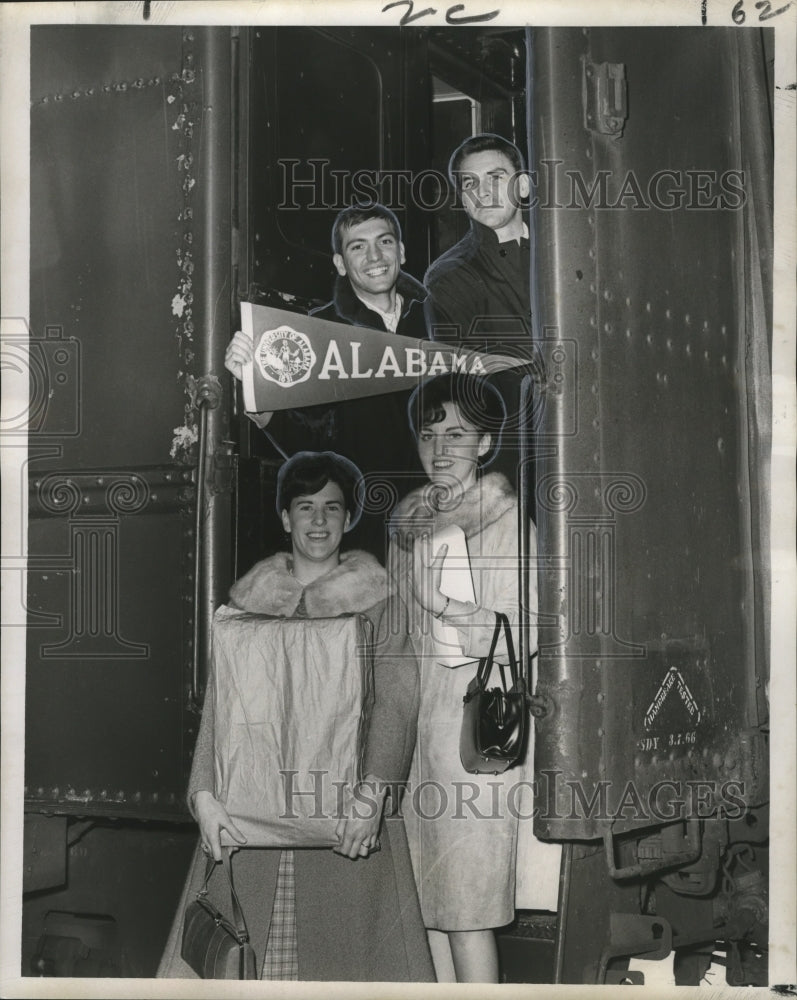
(284, 356)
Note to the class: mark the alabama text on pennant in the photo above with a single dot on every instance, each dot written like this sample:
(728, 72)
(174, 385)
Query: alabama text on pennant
(301, 360)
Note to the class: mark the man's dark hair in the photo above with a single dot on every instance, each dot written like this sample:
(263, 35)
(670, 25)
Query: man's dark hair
(482, 143)
(479, 402)
(355, 214)
(308, 472)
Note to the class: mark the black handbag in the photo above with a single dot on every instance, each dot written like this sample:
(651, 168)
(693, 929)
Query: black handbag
(494, 728)
(215, 947)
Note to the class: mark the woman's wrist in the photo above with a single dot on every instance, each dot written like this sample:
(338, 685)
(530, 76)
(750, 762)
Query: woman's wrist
(373, 791)
(198, 799)
(456, 611)
(442, 608)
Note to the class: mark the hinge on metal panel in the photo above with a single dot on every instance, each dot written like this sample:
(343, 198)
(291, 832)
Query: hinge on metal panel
(605, 97)
(667, 848)
(223, 467)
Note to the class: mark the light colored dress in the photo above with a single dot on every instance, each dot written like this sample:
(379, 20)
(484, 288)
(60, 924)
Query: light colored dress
(464, 829)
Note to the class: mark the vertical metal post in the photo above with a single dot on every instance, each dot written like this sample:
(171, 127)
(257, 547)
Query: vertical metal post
(213, 291)
(524, 477)
(544, 543)
(565, 878)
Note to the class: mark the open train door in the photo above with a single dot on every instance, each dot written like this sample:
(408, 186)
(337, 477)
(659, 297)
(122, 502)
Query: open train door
(654, 248)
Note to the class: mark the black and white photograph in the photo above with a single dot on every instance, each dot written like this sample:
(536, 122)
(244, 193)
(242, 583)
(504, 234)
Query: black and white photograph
(398, 498)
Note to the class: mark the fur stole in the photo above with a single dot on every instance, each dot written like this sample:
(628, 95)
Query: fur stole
(483, 504)
(357, 583)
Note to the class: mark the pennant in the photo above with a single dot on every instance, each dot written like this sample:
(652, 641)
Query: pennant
(302, 360)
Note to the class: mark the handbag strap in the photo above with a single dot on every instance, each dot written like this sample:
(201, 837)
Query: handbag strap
(510, 649)
(486, 662)
(237, 912)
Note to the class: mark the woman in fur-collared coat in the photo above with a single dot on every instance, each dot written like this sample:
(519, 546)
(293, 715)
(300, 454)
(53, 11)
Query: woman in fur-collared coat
(470, 850)
(349, 913)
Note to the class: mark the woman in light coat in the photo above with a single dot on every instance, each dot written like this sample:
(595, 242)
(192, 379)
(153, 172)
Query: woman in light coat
(348, 913)
(463, 828)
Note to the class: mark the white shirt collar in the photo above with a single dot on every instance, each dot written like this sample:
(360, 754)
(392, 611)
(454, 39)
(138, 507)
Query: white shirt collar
(390, 319)
(524, 235)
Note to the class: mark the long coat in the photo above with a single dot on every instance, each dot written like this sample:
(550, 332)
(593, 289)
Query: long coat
(355, 920)
(466, 838)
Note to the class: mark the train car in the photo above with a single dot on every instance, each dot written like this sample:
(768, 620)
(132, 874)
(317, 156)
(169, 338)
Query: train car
(178, 170)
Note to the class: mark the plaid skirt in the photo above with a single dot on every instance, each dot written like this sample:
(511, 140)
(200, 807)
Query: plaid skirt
(282, 955)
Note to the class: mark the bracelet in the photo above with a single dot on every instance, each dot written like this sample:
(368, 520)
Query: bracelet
(443, 610)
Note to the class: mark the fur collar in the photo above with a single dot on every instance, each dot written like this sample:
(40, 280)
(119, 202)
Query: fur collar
(356, 312)
(480, 506)
(357, 583)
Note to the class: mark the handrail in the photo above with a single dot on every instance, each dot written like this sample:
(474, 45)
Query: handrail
(207, 397)
(524, 594)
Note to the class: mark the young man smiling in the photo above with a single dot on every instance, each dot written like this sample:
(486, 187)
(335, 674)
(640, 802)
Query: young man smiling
(370, 291)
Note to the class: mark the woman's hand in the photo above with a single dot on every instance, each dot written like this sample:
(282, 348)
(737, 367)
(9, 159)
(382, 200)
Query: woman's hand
(358, 830)
(239, 353)
(426, 576)
(213, 818)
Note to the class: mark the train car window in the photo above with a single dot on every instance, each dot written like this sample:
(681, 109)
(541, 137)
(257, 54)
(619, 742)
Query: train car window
(316, 122)
(348, 142)
(452, 103)
(478, 85)
(455, 115)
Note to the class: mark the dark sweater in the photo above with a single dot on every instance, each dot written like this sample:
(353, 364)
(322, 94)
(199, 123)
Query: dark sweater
(479, 296)
(479, 292)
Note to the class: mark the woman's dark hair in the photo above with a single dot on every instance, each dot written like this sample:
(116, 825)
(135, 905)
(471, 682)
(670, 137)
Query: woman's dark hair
(479, 402)
(308, 472)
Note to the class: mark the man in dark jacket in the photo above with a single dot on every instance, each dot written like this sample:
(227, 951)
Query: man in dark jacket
(479, 290)
(370, 291)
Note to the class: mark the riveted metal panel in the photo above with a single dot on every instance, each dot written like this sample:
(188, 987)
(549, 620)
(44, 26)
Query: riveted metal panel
(644, 514)
(105, 236)
(130, 265)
